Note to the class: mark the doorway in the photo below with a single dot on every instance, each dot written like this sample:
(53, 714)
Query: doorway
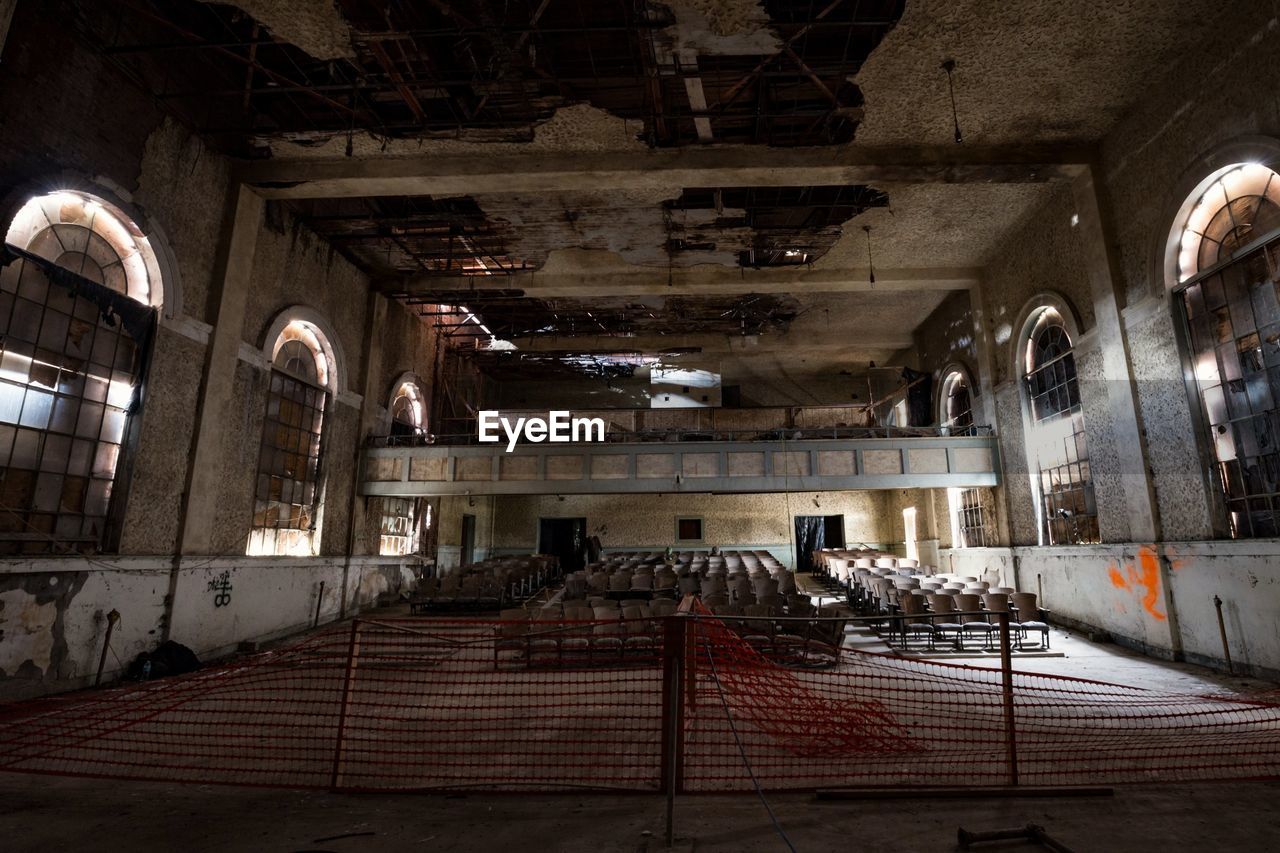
(564, 538)
(467, 557)
(815, 532)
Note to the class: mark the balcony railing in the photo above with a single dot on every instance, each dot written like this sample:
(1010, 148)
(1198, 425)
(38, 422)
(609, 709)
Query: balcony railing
(737, 461)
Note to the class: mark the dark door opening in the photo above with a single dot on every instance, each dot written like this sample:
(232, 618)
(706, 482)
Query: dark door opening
(565, 538)
(468, 540)
(833, 531)
(815, 532)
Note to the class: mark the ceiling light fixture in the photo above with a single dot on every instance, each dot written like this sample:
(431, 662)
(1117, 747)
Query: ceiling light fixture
(871, 266)
(949, 66)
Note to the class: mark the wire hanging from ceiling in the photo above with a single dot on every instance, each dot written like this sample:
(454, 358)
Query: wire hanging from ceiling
(949, 66)
(871, 265)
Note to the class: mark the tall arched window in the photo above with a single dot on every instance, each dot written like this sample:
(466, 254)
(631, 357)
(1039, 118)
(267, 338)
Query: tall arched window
(78, 294)
(404, 519)
(955, 404)
(955, 415)
(1056, 439)
(408, 413)
(1228, 272)
(287, 503)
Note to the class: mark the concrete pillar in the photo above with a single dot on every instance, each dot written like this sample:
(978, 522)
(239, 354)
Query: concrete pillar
(985, 410)
(7, 8)
(217, 393)
(374, 399)
(1113, 343)
(1122, 391)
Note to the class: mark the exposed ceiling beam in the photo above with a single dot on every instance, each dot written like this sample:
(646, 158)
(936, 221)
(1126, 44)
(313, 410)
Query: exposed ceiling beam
(713, 344)
(708, 166)
(698, 281)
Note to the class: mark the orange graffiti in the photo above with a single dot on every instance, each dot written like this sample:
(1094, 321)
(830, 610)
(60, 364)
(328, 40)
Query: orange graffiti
(1144, 576)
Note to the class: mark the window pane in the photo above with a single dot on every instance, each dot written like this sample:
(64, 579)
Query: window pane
(46, 336)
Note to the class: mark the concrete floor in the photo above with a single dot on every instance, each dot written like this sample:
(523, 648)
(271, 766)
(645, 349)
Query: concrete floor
(39, 815)
(1078, 657)
(49, 813)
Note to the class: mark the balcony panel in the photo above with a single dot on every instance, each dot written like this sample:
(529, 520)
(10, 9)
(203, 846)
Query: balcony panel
(834, 464)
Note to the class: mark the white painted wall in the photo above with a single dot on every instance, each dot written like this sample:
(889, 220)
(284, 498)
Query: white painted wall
(1166, 608)
(53, 611)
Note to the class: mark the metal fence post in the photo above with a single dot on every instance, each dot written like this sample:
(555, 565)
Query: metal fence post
(1010, 724)
(674, 636)
(353, 653)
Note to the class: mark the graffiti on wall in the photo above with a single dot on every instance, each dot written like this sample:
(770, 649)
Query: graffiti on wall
(221, 587)
(1141, 577)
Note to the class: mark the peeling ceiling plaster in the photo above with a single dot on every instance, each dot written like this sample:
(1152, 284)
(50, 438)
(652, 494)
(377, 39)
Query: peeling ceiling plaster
(314, 26)
(580, 127)
(721, 28)
(727, 17)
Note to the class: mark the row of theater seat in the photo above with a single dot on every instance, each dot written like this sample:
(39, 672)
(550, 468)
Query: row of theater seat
(487, 585)
(877, 583)
(579, 634)
(630, 632)
(643, 581)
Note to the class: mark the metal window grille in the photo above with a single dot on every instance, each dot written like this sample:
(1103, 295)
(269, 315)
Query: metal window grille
(400, 526)
(1068, 509)
(287, 499)
(67, 382)
(1232, 317)
(972, 522)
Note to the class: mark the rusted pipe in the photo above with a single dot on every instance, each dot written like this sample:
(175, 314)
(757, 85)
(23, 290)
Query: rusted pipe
(319, 601)
(1222, 632)
(112, 618)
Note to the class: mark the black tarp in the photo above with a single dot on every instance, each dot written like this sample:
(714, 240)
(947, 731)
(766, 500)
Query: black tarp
(565, 538)
(810, 537)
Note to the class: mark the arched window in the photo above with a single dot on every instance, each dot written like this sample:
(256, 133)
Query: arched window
(91, 238)
(287, 502)
(404, 519)
(1056, 439)
(408, 413)
(1228, 273)
(955, 415)
(78, 294)
(1239, 206)
(955, 404)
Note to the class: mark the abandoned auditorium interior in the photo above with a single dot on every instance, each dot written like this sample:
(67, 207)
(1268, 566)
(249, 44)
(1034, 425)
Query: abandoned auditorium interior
(638, 425)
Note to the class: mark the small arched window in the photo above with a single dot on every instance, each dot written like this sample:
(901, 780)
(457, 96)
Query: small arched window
(956, 404)
(404, 519)
(287, 501)
(408, 413)
(1056, 438)
(1228, 273)
(78, 294)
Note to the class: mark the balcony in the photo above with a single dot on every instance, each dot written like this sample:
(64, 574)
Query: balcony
(822, 459)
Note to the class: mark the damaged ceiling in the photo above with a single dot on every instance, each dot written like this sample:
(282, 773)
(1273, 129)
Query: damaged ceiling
(371, 79)
(749, 227)
(776, 72)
